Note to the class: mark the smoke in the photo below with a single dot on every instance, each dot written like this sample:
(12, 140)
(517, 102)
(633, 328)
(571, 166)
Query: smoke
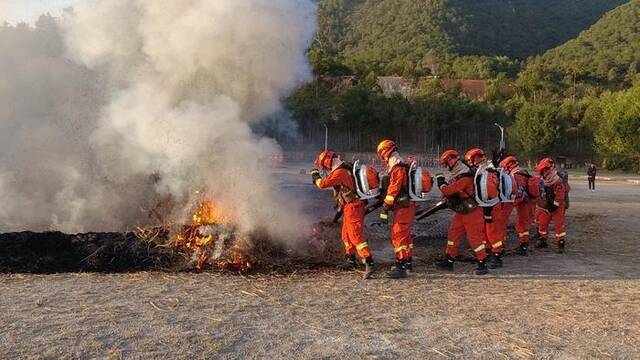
(139, 99)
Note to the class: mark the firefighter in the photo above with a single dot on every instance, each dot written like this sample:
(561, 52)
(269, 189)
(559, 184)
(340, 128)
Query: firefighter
(468, 219)
(535, 179)
(494, 223)
(527, 194)
(551, 204)
(397, 200)
(353, 208)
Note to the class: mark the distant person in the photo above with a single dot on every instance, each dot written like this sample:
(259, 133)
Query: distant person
(591, 177)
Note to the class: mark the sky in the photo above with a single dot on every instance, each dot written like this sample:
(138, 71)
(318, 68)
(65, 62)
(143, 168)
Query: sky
(13, 11)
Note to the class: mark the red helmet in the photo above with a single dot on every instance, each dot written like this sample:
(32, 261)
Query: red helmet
(323, 160)
(474, 156)
(449, 158)
(386, 148)
(544, 166)
(509, 163)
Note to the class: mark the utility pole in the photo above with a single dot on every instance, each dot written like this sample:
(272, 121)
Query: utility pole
(501, 135)
(326, 137)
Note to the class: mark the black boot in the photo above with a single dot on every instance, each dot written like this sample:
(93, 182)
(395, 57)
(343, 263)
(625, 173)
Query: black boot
(397, 271)
(489, 257)
(561, 246)
(482, 268)
(523, 250)
(446, 264)
(369, 268)
(408, 265)
(349, 264)
(495, 261)
(541, 243)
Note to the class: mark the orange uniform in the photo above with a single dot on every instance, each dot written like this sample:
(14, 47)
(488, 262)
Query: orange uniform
(353, 208)
(403, 212)
(496, 231)
(470, 223)
(524, 215)
(493, 229)
(551, 207)
(536, 180)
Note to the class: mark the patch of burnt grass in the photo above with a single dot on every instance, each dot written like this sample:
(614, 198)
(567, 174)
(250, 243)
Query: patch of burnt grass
(51, 252)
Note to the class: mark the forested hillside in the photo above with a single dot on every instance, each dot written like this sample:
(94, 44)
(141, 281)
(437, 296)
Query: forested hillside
(577, 100)
(423, 37)
(606, 53)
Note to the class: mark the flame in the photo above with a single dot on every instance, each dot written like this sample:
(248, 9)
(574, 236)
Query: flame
(209, 212)
(212, 225)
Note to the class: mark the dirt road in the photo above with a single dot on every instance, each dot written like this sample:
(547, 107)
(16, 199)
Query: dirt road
(583, 304)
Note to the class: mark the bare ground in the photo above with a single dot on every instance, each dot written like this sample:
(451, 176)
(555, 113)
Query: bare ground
(583, 304)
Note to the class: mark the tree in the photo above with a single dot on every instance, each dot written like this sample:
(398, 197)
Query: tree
(615, 118)
(536, 128)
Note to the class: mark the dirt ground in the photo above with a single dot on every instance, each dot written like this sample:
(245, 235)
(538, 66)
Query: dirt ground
(582, 304)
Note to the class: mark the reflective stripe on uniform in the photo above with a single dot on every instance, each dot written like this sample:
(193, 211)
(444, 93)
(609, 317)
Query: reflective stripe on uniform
(556, 203)
(318, 183)
(542, 232)
(450, 243)
(410, 246)
(498, 244)
(362, 246)
(400, 248)
(479, 248)
(389, 199)
(561, 234)
(526, 233)
(384, 216)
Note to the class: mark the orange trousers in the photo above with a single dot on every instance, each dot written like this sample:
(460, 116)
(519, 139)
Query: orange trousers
(524, 218)
(401, 239)
(472, 225)
(533, 211)
(496, 230)
(353, 229)
(544, 219)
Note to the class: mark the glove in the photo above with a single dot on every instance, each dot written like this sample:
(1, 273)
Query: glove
(440, 180)
(384, 216)
(315, 175)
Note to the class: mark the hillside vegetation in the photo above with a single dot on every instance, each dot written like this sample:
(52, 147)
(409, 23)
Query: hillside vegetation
(578, 100)
(444, 37)
(608, 52)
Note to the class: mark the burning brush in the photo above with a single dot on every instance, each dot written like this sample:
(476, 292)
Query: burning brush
(212, 239)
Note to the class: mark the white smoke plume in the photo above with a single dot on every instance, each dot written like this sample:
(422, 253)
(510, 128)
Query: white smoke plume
(135, 88)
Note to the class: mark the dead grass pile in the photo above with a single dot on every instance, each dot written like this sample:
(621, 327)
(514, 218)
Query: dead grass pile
(158, 248)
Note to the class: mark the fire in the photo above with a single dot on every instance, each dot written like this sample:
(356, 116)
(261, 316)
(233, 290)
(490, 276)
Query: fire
(211, 238)
(208, 212)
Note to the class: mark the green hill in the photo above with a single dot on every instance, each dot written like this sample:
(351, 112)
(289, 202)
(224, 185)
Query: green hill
(608, 52)
(422, 37)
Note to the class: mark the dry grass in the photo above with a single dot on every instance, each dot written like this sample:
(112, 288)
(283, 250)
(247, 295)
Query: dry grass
(316, 315)
(583, 304)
